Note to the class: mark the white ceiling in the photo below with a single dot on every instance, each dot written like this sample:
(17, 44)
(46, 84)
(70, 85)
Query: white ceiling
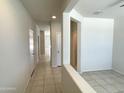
(42, 10)
(88, 7)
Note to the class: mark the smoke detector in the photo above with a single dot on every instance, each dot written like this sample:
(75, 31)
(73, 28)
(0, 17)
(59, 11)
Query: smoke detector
(122, 5)
(97, 12)
(109, 6)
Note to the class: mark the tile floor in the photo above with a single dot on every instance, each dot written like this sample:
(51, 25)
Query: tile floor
(45, 79)
(105, 81)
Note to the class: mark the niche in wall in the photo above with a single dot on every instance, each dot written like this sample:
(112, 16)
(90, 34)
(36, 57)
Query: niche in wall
(73, 44)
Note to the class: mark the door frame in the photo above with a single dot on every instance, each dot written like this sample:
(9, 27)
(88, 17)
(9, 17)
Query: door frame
(73, 44)
(78, 43)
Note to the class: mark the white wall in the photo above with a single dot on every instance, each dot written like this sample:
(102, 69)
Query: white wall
(95, 39)
(118, 45)
(36, 41)
(55, 27)
(99, 43)
(15, 63)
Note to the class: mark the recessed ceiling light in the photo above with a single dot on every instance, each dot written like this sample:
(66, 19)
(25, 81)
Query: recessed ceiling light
(53, 17)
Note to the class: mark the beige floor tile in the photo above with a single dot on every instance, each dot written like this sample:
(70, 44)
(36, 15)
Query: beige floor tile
(37, 90)
(37, 83)
(45, 79)
(49, 89)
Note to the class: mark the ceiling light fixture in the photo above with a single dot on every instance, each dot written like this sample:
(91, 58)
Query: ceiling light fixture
(53, 17)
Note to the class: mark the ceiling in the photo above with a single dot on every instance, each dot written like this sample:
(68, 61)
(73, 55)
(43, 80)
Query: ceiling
(89, 7)
(42, 10)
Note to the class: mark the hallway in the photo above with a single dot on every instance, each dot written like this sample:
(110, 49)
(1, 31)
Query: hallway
(45, 79)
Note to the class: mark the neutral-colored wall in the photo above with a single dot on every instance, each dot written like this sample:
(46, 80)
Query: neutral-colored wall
(118, 45)
(55, 27)
(15, 63)
(99, 43)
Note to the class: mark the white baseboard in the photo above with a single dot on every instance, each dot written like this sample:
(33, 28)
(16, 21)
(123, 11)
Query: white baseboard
(28, 80)
(89, 70)
(116, 70)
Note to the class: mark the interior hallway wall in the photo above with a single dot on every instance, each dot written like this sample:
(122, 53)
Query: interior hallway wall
(55, 27)
(99, 43)
(118, 45)
(15, 63)
(37, 43)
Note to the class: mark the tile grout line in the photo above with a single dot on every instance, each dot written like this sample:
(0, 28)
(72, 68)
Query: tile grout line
(44, 83)
(55, 82)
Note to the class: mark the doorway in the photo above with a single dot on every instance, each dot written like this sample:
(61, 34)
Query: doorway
(73, 44)
(42, 43)
(32, 47)
(47, 45)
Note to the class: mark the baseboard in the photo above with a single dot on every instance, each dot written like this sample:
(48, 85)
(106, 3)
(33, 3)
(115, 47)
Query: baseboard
(118, 71)
(54, 66)
(27, 85)
(96, 70)
(29, 79)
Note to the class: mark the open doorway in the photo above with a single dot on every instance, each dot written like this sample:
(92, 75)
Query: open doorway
(45, 46)
(32, 47)
(73, 44)
(42, 43)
